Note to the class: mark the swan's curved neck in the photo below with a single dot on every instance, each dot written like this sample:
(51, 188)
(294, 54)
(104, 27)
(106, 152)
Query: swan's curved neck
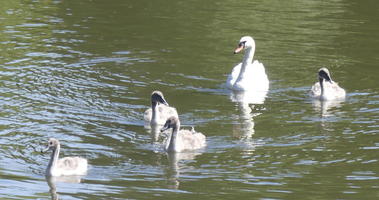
(172, 145)
(155, 114)
(53, 159)
(247, 59)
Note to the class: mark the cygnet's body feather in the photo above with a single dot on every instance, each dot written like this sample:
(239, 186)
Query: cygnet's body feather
(332, 91)
(71, 166)
(163, 112)
(187, 140)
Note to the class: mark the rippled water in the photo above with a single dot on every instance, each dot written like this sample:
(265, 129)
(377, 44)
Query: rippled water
(83, 71)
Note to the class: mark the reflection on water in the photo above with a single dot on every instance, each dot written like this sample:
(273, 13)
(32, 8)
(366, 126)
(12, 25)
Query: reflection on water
(245, 103)
(53, 188)
(154, 131)
(53, 180)
(175, 165)
(325, 107)
(243, 125)
(248, 97)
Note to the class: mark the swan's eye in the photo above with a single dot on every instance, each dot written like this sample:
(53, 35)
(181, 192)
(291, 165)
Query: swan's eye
(242, 44)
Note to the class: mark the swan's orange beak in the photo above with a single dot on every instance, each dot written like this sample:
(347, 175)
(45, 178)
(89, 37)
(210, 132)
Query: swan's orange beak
(238, 49)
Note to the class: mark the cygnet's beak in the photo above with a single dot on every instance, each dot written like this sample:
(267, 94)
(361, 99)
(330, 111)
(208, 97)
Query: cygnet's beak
(238, 49)
(164, 128)
(46, 149)
(163, 101)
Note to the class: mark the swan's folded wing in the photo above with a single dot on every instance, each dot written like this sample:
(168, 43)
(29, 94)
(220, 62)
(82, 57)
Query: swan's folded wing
(232, 77)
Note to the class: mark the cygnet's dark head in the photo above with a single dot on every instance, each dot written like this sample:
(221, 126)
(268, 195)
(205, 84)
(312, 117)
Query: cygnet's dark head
(324, 73)
(52, 144)
(172, 122)
(157, 97)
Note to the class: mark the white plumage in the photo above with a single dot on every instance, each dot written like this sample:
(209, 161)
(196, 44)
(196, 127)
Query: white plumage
(248, 75)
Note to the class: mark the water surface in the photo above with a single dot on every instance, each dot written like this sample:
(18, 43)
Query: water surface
(83, 71)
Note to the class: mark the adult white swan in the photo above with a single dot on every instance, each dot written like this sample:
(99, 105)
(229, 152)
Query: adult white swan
(65, 166)
(160, 111)
(326, 88)
(181, 140)
(248, 75)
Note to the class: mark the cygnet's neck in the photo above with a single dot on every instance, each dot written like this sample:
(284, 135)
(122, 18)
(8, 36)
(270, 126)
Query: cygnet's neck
(155, 114)
(172, 145)
(321, 80)
(247, 60)
(53, 160)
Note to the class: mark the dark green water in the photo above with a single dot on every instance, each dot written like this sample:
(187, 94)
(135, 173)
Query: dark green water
(83, 71)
